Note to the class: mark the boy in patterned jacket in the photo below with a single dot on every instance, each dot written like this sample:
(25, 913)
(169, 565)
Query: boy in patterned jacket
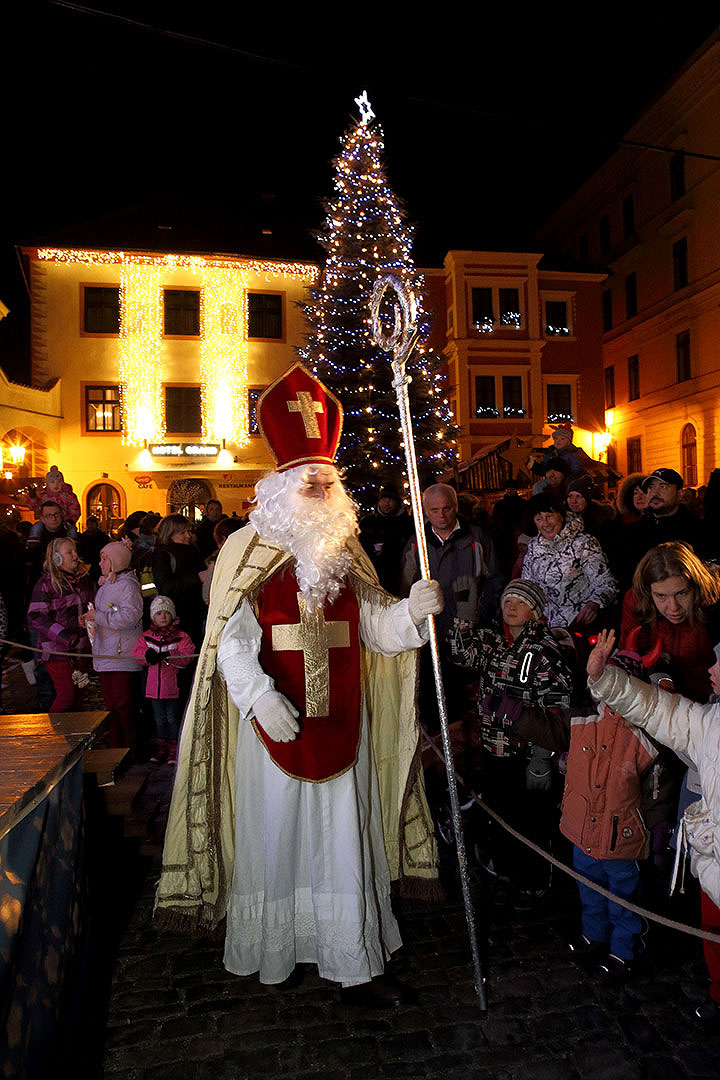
(521, 665)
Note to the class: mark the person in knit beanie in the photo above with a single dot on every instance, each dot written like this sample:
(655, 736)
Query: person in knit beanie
(521, 665)
(164, 649)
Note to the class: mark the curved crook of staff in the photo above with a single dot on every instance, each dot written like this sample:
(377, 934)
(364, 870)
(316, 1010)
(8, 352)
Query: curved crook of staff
(401, 340)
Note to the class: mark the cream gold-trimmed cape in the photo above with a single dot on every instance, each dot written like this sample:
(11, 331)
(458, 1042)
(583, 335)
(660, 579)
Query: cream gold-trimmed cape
(199, 843)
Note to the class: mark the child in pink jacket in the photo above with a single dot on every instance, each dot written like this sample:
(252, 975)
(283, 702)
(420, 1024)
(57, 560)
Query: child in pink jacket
(164, 648)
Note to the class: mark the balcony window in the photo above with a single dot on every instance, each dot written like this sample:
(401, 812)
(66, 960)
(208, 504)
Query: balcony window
(485, 401)
(482, 310)
(607, 311)
(510, 314)
(559, 403)
(556, 318)
(496, 308)
(512, 396)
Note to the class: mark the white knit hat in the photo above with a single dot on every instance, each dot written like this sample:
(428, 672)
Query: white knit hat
(162, 603)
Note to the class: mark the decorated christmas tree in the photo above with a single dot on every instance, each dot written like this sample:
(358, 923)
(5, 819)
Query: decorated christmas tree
(366, 235)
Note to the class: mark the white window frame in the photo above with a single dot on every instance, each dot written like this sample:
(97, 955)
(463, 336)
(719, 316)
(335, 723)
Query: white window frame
(495, 286)
(561, 379)
(568, 298)
(497, 374)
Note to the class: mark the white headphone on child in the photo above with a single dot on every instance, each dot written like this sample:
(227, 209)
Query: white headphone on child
(55, 555)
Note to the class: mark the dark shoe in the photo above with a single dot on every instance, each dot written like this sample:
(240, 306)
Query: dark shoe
(708, 1012)
(585, 952)
(616, 969)
(172, 752)
(161, 752)
(383, 992)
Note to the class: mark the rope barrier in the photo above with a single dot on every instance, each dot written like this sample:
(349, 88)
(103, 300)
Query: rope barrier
(77, 655)
(651, 916)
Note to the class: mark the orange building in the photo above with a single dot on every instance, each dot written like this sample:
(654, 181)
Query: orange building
(523, 349)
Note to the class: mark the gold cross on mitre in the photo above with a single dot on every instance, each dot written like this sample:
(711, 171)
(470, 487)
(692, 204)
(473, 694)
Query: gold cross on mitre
(307, 409)
(315, 637)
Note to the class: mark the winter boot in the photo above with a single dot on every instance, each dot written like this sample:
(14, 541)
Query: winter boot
(161, 752)
(172, 752)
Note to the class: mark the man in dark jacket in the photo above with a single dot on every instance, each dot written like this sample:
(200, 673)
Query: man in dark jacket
(384, 533)
(206, 526)
(462, 559)
(664, 519)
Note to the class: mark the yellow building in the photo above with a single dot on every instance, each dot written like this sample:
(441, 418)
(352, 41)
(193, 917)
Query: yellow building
(180, 347)
(650, 215)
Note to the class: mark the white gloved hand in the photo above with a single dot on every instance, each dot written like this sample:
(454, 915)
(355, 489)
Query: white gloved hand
(426, 598)
(276, 716)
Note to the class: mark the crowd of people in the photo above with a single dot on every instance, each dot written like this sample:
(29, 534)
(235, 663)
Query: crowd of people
(528, 588)
(117, 605)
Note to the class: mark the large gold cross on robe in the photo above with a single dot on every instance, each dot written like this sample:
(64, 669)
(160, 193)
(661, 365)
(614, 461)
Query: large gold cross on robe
(315, 637)
(307, 409)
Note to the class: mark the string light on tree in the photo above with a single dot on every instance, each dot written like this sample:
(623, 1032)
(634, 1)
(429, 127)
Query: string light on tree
(366, 236)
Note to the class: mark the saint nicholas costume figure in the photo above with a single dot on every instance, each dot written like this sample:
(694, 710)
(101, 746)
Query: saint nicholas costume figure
(299, 795)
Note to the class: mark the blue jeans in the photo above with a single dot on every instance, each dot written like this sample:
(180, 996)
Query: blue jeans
(167, 717)
(602, 920)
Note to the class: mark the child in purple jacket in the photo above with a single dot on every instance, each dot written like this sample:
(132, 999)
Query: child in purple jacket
(164, 648)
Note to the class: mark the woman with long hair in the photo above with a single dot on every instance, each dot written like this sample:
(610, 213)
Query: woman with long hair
(674, 603)
(59, 599)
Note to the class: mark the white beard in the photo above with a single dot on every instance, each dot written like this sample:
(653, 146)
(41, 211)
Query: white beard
(315, 532)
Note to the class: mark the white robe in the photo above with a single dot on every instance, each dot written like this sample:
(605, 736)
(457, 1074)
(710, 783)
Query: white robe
(311, 881)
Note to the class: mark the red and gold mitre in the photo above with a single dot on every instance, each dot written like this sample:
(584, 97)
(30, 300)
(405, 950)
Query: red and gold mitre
(299, 419)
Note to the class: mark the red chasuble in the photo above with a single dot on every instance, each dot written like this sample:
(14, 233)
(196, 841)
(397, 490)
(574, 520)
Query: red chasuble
(315, 661)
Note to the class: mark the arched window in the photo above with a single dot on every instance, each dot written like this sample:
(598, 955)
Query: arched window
(104, 502)
(689, 455)
(187, 497)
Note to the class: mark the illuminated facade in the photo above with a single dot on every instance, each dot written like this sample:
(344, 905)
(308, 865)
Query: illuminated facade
(650, 216)
(523, 349)
(158, 361)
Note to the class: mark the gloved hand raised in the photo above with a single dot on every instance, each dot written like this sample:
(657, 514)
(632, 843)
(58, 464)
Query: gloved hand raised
(276, 716)
(426, 598)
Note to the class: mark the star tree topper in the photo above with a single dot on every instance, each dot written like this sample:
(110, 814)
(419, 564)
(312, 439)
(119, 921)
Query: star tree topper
(366, 112)
(517, 454)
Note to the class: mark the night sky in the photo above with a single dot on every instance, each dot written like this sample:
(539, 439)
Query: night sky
(490, 120)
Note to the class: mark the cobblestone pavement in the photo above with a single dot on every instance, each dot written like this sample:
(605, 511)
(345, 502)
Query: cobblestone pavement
(175, 1012)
